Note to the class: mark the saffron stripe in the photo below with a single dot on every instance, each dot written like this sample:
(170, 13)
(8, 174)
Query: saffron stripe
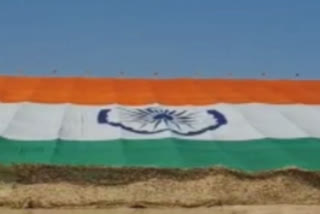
(146, 91)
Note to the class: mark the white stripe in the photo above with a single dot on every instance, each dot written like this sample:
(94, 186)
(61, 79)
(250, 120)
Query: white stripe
(31, 121)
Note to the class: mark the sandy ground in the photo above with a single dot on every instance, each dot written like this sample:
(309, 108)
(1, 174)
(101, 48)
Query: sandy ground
(58, 187)
(283, 209)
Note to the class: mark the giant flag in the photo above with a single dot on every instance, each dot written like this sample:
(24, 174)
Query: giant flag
(172, 123)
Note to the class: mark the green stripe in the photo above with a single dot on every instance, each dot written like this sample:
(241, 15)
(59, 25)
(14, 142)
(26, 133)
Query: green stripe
(251, 155)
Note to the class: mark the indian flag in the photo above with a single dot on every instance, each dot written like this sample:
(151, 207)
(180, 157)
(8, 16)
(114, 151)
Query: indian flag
(173, 123)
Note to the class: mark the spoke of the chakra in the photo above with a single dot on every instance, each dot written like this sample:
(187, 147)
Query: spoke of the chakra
(176, 124)
(142, 116)
(187, 119)
(150, 120)
(173, 119)
(187, 123)
(181, 113)
(156, 124)
(157, 116)
(172, 112)
(143, 123)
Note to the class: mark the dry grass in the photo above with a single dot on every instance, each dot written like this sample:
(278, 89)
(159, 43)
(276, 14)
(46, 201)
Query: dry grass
(52, 186)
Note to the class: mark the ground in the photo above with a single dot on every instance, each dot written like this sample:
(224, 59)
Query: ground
(275, 209)
(80, 187)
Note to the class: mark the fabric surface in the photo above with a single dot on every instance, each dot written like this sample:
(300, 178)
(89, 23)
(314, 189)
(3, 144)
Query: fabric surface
(184, 123)
(146, 91)
(252, 155)
(36, 121)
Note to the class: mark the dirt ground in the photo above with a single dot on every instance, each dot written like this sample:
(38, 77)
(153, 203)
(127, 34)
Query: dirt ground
(74, 187)
(282, 209)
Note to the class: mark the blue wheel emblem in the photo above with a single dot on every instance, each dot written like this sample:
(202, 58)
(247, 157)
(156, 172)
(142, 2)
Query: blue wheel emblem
(156, 120)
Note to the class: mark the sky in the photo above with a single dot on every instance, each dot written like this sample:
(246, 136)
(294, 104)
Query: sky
(173, 38)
